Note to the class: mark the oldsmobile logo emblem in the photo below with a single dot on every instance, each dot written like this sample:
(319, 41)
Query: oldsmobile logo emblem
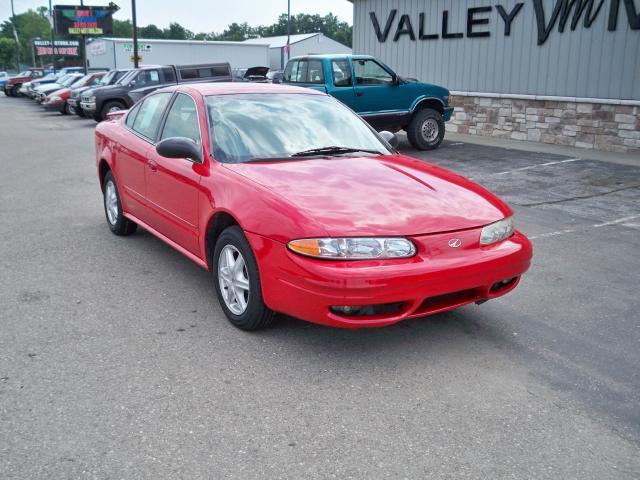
(455, 243)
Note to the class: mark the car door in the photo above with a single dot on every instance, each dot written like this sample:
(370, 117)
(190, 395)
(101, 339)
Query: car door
(342, 82)
(173, 183)
(132, 151)
(375, 89)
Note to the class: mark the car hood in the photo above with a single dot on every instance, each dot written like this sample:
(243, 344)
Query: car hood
(49, 87)
(390, 195)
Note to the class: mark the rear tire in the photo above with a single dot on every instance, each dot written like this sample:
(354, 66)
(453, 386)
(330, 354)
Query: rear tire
(15, 90)
(237, 281)
(108, 107)
(118, 223)
(426, 129)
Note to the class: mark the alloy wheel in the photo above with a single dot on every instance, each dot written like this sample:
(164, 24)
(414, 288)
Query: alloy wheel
(234, 279)
(111, 202)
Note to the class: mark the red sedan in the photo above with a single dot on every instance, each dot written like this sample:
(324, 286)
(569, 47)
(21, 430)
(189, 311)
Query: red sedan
(57, 101)
(297, 206)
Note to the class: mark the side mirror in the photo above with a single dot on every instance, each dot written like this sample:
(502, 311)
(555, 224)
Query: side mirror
(395, 80)
(179, 147)
(390, 138)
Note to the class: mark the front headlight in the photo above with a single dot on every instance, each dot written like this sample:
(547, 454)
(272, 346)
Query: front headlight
(55, 98)
(497, 231)
(92, 99)
(353, 248)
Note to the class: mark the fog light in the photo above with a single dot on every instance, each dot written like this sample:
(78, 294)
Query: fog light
(368, 310)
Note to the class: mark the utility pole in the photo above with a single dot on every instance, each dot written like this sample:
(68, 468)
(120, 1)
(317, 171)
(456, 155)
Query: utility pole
(84, 46)
(15, 34)
(135, 33)
(53, 48)
(288, 29)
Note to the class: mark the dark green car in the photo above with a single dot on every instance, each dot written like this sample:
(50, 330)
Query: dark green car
(380, 96)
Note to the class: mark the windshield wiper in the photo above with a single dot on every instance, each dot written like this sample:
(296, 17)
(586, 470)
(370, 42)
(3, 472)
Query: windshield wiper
(333, 150)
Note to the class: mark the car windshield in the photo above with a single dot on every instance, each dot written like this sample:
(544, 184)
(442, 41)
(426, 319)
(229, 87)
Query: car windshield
(69, 80)
(246, 127)
(80, 81)
(24, 73)
(107, 78)
(125, 79)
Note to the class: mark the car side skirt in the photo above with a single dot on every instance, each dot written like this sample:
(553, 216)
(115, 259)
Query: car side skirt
(168, 241)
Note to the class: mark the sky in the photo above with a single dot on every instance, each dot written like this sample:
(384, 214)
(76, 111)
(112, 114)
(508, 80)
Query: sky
(202, 15)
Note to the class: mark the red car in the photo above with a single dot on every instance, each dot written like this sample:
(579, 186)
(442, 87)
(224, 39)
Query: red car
(297, 206)
(57, 100)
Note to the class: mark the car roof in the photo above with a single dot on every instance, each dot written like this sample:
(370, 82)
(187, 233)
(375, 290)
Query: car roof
(331, 56)
(226, 88)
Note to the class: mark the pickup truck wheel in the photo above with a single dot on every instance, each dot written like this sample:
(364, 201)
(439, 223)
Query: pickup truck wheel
(112, 106)
(118, 223)
(426, 129)
(15, 90)
(237, 281)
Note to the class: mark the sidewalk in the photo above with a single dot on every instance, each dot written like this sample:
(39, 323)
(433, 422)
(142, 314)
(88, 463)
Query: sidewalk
(573, 152)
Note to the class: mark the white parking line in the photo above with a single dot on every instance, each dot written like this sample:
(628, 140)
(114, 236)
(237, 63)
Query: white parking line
(597, 225)
(530, 167)
(615, 222)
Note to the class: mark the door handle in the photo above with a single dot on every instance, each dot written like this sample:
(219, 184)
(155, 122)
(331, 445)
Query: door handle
(153, 166)
(359, 93)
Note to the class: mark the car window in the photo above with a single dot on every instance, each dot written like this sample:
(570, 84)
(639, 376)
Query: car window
(146, 78)
(150, 114)
(341, 73)
(131, 116)
(370, 72)
(304, 71)
(182, 120)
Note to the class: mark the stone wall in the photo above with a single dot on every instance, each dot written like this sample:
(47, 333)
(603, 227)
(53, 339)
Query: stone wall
(613, 128)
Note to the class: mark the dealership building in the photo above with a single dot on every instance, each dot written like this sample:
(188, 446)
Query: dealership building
(555, 71)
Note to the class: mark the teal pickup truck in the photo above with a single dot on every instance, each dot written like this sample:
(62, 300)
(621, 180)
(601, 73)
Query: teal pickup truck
(380, 96)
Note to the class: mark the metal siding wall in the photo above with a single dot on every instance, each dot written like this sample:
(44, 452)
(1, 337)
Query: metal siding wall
(585, 62)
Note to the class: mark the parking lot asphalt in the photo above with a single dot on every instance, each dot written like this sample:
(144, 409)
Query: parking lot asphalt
(117, 362)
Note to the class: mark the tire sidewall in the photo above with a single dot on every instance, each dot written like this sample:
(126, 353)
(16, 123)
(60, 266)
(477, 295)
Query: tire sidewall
(255, 306)
(118, 226)
(419, 120)
(106, 107)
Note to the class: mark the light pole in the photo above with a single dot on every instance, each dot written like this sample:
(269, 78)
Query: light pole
(135, 33)
(15, 34)
(53, 47)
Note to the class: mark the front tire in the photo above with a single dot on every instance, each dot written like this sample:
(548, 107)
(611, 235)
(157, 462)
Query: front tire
(112, 106)
(68, 109)
(15, 90)
(237, 281)
(118, 223)
(426, 129)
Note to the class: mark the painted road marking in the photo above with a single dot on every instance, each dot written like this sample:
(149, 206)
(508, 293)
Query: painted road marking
(530, 167)
(620, 221)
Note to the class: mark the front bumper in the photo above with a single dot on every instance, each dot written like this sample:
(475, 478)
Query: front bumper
(88, 107)
(73, 102)
(53, 106)
(437, 279)
(448, 111)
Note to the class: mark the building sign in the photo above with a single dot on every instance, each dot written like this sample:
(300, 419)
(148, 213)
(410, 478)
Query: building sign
(74, 20)
(98, 48)
(565, 13)
(70, 48)
(142, 47)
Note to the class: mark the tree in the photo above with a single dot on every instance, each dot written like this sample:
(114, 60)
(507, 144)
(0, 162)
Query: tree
(150, 32)
(177, 32)
(29, 25)
(7, 53)
(122, 28)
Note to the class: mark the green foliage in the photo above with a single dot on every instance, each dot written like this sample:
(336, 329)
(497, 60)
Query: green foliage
(7, 54)
(29, 25)
(32, 24)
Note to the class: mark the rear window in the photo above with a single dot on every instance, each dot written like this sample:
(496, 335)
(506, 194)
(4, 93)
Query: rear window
(197, 73)
(304, 71)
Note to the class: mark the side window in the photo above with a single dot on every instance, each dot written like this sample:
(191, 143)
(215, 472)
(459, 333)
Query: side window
(146, 78)
(291, 71)
(305, 71)
(169, 75)
(131, 116)
(341, 73)
(370, 72)
(182, 120)
(150, 113)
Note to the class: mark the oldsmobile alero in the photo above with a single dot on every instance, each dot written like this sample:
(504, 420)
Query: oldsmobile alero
(297, 206)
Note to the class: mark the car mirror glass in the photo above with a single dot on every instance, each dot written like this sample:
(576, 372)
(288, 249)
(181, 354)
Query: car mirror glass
(390, 137)
(179, 147)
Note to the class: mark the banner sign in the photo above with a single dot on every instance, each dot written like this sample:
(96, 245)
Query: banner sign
(69, 48)
(75, 20)
(142, 47)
